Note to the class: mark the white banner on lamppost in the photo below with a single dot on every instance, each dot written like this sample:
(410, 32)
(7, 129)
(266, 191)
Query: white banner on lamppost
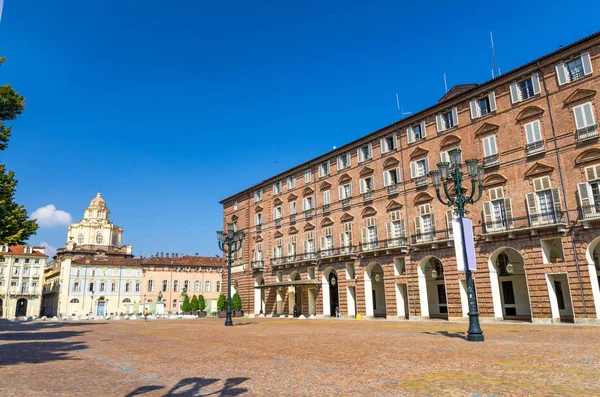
(469, 241)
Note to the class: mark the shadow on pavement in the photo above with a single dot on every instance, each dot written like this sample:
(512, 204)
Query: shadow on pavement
(195, 387)
(37, 352)
(459, 335)
(10, 336)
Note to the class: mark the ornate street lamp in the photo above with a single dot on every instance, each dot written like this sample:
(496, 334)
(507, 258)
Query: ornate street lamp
(229, 242)
(450, 173)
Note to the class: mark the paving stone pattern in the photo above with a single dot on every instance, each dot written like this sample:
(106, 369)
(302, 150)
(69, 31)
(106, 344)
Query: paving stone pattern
(287, 357)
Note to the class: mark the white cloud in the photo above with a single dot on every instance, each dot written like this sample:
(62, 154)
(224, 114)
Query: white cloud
(50, 250)
(49, 216)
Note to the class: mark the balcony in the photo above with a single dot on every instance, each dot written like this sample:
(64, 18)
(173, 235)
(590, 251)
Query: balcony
(589, 214)
(535, 148)
(23, 291)
(333, 254)
(292, 218)
(588, 132)
(526, 225)
(368, 196)
(258, 264)
(326, 208)
(433, 239)
(308, 213)
(384, 246)
(490, 161)
(346, 203)
(258, 228)
(421, 181)
(393, 189)
(277, 222)
(295, 260)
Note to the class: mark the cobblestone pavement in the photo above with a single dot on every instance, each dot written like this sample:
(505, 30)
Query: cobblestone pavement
(286, 357)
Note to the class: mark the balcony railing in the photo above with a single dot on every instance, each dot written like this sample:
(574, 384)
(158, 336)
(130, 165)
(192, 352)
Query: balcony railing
(258, 264)
(431, 236)
(489, 161)
(535, 148)
(378, 245)
(23, 291)
(346, 203)
(326, 208)
(308, 213)
(589, 211)
(421, 181)
(368, 196)
(278, 222)
(587, 132)
(305, 257)
(338, 251)
(258, 228)
(293, 218)
(393, 189)
(534, 221)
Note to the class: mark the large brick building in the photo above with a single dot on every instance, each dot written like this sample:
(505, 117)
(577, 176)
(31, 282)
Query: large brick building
(361, 228)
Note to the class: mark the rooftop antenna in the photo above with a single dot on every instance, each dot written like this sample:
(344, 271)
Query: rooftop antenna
(445, 83)
(495, 70)
(401, 109)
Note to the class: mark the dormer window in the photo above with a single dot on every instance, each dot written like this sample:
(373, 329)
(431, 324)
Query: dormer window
(4, 248)
(28, 250)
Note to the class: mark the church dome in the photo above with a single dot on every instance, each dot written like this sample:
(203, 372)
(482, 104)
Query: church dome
(98, 201)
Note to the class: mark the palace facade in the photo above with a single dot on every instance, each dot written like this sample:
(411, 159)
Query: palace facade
(361, 229)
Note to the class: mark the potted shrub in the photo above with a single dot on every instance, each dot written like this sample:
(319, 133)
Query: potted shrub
(222, 306)
(202, 306)
(236, 305)
(194, 304)
(186, 306)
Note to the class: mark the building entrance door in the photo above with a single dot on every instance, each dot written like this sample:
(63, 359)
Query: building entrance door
(334, 300)
(21, 308)
(101, 308)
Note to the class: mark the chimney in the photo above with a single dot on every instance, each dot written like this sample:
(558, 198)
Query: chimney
(196, 254)
(167, 254)
(162, 254)
(157, 254)
(176, 255)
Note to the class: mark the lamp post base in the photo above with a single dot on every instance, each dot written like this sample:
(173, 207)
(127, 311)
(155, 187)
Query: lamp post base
(474, 334)
(228, 321)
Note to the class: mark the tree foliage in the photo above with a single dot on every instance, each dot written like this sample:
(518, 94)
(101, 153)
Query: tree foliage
(222, 303)
(15, 227)
(201, 303)
(186, 306)
(236, 302)
(194, 304)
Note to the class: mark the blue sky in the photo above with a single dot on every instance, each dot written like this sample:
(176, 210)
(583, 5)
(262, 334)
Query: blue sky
(169, 107)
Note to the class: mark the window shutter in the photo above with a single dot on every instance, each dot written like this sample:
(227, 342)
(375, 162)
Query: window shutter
(444, 157)
(409, 135)
(326, 197)
(514, 93)
(585, 195)
(492, 99)
(362, 186)
(579, 117)
(341, 192)
(398, 177)
(370, 150)
(432, 223)
(455, 116)
(305, 246)
(487, 216)
(426, 166)
(509, 212)
(365, 234)
(588, 114)
(438, 122)
(592, 173)
(386, 178)
(449, 217)
(389, 231)
(323, 243)
(474, 109)
(535, 81)
(418, 227)
(423, 129)
(561, 74)
(529, 132)
(275, 213)
(394, 141)
(557, 203)
(413, 169)
(587, 63)
(339, 163)
(383, 145)
(532, 208)
(358, 156)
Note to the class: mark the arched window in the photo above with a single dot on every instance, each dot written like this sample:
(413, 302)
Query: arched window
(74, 300)
(80, 238)
(99, 214)
(126, 300)
(99, 238)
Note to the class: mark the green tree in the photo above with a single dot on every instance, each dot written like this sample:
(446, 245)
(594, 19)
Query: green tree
(236, 302)
(222, 303)
(201, 303)
(194, 304)
(186, 306)
(15, 227)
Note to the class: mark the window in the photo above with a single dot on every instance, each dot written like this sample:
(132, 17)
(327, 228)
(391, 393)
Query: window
(277, 188)
(291, 250)
(533, 135)
(324, 169)
(445, 156)
(235, 226)
(490, 150)
(207, 286)
(258, 219)
(309, 243)
(258, 195)
(327, 241)
(80, 238)
(175, 303)
(367, 185)
(482, 106)
(186, 285)
(99, 238)
(150, 285)
(364, 153)
(307, 204)
(127, 287)
(102, 287)
(291, 182)
(574, 69)
(196, 286)
(176, 286)
(445, 121)
(76, 286)
(585, 122)
(589, 193)
(25, 271)
(37, 261)
(345, 191)
(277, 213)
(369, 234)
(424, 224)
(388, 143)
(257, 254)
(165, 285)
(525, 89)
(307, 175)
(395, 229)
(326, 197)
(91, 286)
(544, 204)
(278, 248)
(419, 168)
(17, 260)
(235, 205)
(293, 208)
(343, 161)
(218, 286)
(137, 287)
(346, 237)
(497, 212)
(416, 132)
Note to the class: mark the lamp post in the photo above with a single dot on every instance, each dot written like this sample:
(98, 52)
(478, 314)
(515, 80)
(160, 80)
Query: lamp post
(450, 173)
(229, 242)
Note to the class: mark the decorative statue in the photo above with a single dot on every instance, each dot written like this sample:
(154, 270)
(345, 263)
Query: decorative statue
(184, 291)
(160, 296)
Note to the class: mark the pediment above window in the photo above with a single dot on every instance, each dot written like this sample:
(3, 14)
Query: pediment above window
(258, 208)
(326, 221)
(309, 226)
(277, 201)
(234, 218)
(292, 197)
(391, 162)
(588, 156)
(530, 112)
(423, 197)
(487, 128)
(278, 234)
(366, 171)
(419, 152)
(344, 178)
(539, 169)
(450, 140)
(292, 230)
(494, 180)
(325, 186)
(307, 191)
(579, 95)
(393, 205)
(258, 238)
(346, 218)
(368, 211)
